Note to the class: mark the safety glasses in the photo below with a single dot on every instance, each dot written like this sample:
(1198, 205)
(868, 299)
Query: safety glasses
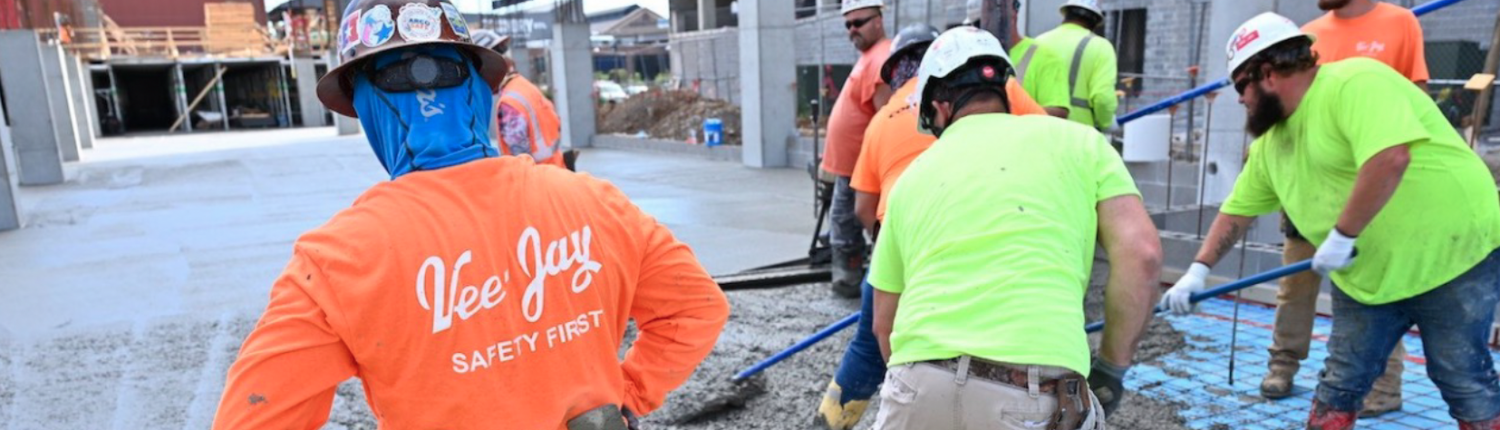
(857, 23)
(1245, 81)
(421, 72)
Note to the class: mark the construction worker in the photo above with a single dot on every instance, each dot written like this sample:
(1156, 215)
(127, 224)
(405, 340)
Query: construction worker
(1092, 69)
(1040, 71)
(985, 253)
(526, 122)
(863, 93)
(891, 143)
(472, 289)
(1351, 28)
(1358, 157)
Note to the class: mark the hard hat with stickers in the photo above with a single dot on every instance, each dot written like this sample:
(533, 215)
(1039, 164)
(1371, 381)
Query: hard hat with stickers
(953, 50)
(373, 26)
(1259, 33)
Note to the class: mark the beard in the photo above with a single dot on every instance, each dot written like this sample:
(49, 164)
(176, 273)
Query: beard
(860, 43)
(1327, 5)
(1268, 112)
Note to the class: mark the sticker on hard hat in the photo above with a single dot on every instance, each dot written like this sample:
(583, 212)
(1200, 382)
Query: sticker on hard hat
(376, 27)
(989, 72)
(419, 22)
(456, 20)
(349, 32)
(1242, 39)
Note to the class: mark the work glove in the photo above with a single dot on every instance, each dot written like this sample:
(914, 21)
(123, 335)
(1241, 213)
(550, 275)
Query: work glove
(1178, 298)
(840, 416)
(1108, 383)
(1336, 253)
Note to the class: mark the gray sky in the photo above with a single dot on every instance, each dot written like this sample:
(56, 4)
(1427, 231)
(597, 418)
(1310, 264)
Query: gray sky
(658, 6)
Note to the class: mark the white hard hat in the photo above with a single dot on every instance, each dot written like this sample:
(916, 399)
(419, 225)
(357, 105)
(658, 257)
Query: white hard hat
(853, 5)
(1257, 34)
(489, 39)
(1089, 5)
(951, 51)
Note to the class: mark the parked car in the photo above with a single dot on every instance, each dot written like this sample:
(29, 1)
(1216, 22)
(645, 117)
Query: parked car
(611, 92)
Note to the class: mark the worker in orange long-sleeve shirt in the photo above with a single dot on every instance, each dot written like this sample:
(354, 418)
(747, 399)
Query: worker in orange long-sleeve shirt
(472, 290)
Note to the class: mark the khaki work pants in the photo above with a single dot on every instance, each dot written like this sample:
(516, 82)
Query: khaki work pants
(929, 397)
(1296, 306)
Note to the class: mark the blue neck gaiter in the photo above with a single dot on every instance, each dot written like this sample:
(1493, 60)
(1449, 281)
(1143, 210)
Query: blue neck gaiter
(425, 129)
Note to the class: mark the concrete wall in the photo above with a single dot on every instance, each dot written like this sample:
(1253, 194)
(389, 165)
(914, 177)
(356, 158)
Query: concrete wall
(38, 158)
(307, 92)
(81, 90)
(10, 214)
(54, 65)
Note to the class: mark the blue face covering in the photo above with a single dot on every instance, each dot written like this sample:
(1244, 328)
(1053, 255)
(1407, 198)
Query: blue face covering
(425, 129)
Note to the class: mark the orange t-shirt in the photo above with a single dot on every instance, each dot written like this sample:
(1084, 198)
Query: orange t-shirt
(490, 293)
(852, 111)
(1388, 33)
(893, 141)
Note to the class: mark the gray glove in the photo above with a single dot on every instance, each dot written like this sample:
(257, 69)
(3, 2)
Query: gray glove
(1108, 382)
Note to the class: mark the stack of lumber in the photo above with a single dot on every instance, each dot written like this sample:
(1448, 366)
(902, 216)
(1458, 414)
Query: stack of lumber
(231, 28)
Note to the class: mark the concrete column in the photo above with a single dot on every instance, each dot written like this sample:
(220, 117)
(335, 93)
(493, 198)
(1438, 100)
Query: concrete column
(1227, 131)
(522, 57)
(10, 214)
(55, 66)
(96, 124)
(343, 125)
(23, 74)
(572, 67)
(767, 84)
(81, 90)
(708, 14)
(307, 92)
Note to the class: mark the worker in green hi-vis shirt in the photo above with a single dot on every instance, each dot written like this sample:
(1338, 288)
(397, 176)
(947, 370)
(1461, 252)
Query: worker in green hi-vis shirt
(1091, 66)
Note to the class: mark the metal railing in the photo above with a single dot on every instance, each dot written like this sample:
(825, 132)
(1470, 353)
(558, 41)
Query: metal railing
(164, 42)
(1204, 89)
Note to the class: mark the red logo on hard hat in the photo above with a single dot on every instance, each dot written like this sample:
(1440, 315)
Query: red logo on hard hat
(1243, 39)
(988, 72)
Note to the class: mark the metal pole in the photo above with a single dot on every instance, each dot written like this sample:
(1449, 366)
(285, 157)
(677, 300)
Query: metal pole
(1208, 117)
(1234, 331)
(1167, 209)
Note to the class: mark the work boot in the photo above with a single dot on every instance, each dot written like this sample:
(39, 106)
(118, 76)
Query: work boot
(1278, 381)
(848, 272)
(1489, 424)
(1323, 418)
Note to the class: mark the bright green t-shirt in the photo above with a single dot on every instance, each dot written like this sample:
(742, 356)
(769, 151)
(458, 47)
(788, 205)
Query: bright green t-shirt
(989, 240)
(1046, 78)
(1444, 217)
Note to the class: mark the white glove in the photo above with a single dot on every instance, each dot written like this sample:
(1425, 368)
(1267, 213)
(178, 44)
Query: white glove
(1336, 253)
(1178, 299)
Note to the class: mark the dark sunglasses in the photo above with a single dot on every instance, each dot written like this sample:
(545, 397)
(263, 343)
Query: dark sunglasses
(850, 25)
(1241, 84)
(420, 72)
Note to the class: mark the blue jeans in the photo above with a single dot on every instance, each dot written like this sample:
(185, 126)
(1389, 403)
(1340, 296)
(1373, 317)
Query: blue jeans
(1455, 321)
(863, 368)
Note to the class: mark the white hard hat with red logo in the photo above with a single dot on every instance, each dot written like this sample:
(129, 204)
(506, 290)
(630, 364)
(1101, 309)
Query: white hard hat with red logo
(1088, 5)
(1259, 33)
(951, 51)
(853, 5)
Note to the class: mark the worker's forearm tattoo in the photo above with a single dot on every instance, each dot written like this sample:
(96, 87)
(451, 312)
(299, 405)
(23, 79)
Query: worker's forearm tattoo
(1227, 241)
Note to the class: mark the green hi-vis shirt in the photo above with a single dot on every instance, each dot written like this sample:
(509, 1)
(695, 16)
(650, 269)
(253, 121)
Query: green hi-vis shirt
(989, 240)
(1093, 100)
(1444, 217)
(1042, 74)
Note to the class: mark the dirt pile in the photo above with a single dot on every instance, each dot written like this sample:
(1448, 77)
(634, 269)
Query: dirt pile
(674, 115)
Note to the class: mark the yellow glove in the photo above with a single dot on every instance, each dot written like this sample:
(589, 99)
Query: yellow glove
(840, 416)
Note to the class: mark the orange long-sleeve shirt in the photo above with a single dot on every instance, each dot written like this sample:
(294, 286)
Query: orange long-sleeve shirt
(490, 293)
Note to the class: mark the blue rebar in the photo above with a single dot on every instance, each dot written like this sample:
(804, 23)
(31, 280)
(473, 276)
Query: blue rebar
(1419, 10)
(1273, 274)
